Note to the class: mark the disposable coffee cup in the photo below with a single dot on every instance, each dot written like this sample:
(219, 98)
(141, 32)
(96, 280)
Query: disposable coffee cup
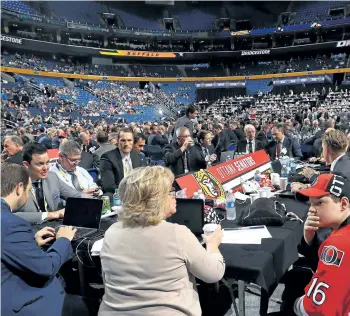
(262, 193)
(209, 228)
(283, 183)
(268, 192)
(275, 178)
(254, 196)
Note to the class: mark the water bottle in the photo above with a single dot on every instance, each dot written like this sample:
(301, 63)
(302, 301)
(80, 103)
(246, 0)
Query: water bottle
(230, 206)
(293, 167)
(201, 195)
(257, 176)
(116, 199)
(284, 171)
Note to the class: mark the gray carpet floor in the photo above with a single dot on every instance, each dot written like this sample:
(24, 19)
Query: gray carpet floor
(252, 302)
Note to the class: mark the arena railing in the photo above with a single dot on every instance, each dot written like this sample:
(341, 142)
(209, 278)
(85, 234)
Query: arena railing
(171, 79)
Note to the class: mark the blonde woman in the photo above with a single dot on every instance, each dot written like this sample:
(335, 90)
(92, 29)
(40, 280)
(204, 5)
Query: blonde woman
(149, 265)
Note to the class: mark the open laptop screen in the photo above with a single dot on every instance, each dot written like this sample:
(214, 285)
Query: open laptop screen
(81, 212)
(189, 212)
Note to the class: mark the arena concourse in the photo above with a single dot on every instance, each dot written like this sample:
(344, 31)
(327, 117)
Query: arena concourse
(122, 100)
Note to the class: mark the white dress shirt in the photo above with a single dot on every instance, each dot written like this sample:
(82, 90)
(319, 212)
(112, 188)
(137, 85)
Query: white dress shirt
(335, 161)
(253, 145)
(127, 163)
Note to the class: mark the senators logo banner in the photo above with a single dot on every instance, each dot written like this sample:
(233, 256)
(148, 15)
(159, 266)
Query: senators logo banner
(217, 179)
(211, 187)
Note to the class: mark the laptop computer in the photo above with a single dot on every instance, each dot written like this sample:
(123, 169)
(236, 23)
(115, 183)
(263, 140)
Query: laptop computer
(83, 214)
(190, 212)
(226, 155)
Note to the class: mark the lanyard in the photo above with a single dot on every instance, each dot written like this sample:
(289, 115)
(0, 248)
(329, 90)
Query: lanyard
(68, 178)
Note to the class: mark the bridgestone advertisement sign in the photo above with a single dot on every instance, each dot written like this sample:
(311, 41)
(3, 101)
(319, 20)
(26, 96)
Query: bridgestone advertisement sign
(255, 52)
(11, 39)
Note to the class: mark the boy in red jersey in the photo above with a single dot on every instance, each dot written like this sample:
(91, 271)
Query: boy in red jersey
(328, 293)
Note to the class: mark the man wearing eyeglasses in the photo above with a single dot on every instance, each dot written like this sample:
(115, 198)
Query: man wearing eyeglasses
(180, 156)
(44, 201)
(68, 171)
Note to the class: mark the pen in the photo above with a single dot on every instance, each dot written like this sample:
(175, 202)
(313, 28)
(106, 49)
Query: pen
(245, 228)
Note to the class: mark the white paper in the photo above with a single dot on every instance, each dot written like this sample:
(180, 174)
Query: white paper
(96, 247)
(246, 235)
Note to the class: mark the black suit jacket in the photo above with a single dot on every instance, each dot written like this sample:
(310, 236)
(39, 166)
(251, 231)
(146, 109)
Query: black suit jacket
(88, 160)
(160, 140)
(16, 158)
(292, 149)
(317, 135)
(223, 143)
(342, 167)
(262, 137)
(242, 146)
(91, 147)
(112, 170)
(232, 136)
(239, 133)
(200, 157)
(174, 158)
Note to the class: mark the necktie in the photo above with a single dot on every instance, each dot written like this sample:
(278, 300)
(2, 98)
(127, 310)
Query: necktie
(75, 181)
(127, 166)
(278, 150)
(39, 195)
(250, 147)
(186, 169)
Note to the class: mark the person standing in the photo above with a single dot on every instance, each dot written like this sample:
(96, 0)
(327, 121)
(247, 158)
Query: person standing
(186, 121)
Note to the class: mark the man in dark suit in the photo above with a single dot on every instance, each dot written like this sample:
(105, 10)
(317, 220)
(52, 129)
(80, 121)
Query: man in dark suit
(102, 140)
(250, 144)
(282, 145)
(334, 148)
(89, 160)
(159, 139)
(180, 156)
(89, 145)
(231, 134)
(29, 283)
(264, 134)
(46, 140)
(238, 130)
(117, 163)
(205, 153)
(185, 121)
(13, 149)
(221, 140)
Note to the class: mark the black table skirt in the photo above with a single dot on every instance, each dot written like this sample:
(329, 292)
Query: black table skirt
(265, 264)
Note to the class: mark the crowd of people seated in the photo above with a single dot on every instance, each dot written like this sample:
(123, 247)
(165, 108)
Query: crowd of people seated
(278, 124)
(239, 68)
